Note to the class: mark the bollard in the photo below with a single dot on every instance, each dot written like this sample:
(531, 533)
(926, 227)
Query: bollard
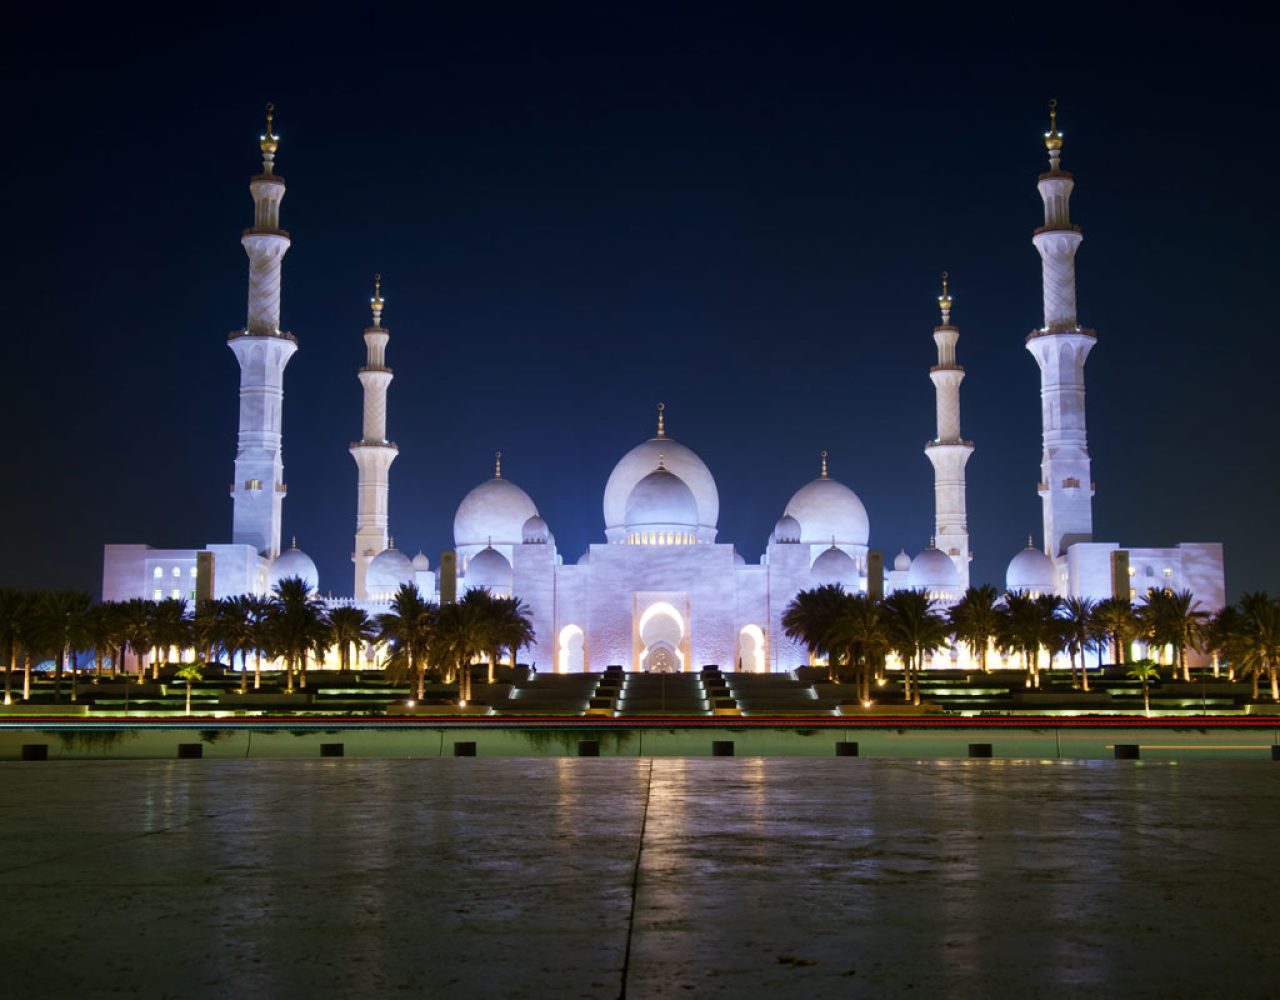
(465, 749)
(980, 750)
(190, 751)
(332, 749)
(846, 749)
(1127, 751)
(722, 748)
(588, 748)
(38, 751)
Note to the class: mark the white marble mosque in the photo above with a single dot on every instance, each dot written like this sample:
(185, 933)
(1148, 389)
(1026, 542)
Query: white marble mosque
(660, 591)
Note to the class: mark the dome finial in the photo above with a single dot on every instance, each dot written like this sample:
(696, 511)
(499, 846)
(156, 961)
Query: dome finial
(497, 465)
(391, 542)
(269, 142)
(294, 544)
(1053, 138)
(933, 541)
(377, 301)
(661, 428)
(662, 467)
(824, 466)
(1031, 544)
(944, 301)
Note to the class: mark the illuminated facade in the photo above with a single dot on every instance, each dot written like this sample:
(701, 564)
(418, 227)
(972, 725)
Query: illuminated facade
(662, 591)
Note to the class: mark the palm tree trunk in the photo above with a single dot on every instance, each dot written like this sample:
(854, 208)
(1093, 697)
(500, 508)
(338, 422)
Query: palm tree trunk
(1275, 684)
(1084, 670)
(59, 663)
(288, 674)
(915, 677)
(9, 665)
(493, 660)
(1146, 697)
(188, 697)
(26, 675)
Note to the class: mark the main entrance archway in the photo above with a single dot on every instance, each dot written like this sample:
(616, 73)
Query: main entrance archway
(661, 632)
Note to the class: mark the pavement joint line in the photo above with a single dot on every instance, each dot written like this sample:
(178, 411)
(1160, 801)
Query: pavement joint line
(635, 883)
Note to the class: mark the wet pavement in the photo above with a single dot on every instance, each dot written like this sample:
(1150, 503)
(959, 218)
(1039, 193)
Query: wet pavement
(571, 877)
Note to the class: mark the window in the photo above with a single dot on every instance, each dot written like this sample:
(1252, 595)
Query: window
(194, 572)
(157, 572)
(157, 594)
(1148, 571)
(177, 572)
(1168, 572)
(175, 593)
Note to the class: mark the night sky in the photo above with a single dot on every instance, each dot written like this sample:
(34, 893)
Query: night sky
(579, 211)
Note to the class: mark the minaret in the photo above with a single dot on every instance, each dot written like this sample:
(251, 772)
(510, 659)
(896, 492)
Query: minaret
(949, 452)
(373, 452)
(1060, 348)
(263, 350)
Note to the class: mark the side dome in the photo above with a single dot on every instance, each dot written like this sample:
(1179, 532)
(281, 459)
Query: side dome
(387, 571)
(535, 531)
(489, 568)
(1030, 572)
(642, 460)
(834, 566)
(493, 513)
(827, 509)
(661, 502)
(292, 562)
(421, 563)
(902, 561)
(787, 530)
(933, 571)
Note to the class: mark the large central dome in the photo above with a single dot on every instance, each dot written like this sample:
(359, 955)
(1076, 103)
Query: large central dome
(643, 459)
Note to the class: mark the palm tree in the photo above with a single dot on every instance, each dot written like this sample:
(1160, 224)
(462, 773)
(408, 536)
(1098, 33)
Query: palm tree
(298, 621)
(862, 630)
(914, 629)
(461, 635)
(260, 632)
(14, 616)
(65, 614)
(1174, 619)
(1261, 636)
(1028, 625)
(189, 673)
(170, 630)
(1116, 618)
(348, 627)
(1079, 630)
(1226, 636)
(409, 628)
(975, 619)
(808, 617)
(1145, 671)
(136, 617)
(102, 632)
(512, 627)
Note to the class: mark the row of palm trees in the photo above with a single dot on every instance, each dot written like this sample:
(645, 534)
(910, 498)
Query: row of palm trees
(292, 626)
(856, 632)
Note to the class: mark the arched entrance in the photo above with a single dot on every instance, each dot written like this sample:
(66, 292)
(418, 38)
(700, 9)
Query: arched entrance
(661, 631)
(570, 658)
(751, 650)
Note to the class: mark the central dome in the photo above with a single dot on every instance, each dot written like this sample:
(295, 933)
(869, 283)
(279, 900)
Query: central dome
(642, 460)
(661, 501)
(493, 513)
(829, 511)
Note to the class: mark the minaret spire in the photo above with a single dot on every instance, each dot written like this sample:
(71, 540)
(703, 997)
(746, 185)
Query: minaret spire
(948, 451)
(662, 431)
(1060, 348)
(373, 452)
(262, 350)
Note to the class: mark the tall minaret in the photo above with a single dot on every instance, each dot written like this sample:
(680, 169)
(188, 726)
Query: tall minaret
(263, 350)
(373, 452)
(1060, 348)
(949, 452)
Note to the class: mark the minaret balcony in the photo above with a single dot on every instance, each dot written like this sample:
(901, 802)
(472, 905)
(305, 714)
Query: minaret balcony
(1068, 228)
(946, 368)
(278, 335)
(948, 443)
(377, 368)
(264, 231)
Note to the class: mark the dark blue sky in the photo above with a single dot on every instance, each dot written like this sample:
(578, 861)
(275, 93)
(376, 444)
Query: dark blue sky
(581, 210)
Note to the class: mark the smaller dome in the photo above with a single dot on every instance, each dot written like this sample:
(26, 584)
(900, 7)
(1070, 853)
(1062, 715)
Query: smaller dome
(421, 563)
(661, 500)
(488, 568)
(738, 560)
(834, 566)
(293, 562)
(932, 571)
(1030, 571)
(787, 530)
(535, 531)
(902, 561)
(387, 571)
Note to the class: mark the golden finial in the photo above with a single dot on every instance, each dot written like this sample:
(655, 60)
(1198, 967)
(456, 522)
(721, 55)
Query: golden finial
(824, 469)
(497, 465)
(1053, 138)
(269, 142)
(661, 428)
(377, 301)
(944, 301)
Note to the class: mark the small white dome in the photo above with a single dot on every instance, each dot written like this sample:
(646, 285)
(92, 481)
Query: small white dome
(292, 562)
(834, 566)
(828, 509)
(1030, 571)
(489, 568)
(661, 501)
(932, 571)
(902, 561)
(494, 513)
(421, 563)
(787, 530)
(535, 531)
(387, 571)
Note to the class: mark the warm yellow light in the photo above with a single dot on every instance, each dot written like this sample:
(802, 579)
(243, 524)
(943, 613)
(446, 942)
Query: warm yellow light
(411, 703)
(866, 704)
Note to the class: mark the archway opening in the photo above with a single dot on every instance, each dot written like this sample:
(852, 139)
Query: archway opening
(661, 631)
(751, 650)
(571, 658)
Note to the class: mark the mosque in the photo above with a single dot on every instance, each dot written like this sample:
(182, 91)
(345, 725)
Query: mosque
(661, 592)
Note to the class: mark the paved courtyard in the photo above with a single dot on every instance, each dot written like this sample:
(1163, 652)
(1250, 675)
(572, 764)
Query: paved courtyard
(570, 877)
